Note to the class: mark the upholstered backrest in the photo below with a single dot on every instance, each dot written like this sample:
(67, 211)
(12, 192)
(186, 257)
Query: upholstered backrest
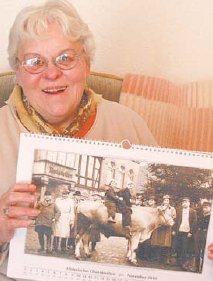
(178, 115)
(7, 83)
(109, 86)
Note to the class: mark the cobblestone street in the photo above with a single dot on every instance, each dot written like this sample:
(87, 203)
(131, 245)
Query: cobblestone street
(110, 250)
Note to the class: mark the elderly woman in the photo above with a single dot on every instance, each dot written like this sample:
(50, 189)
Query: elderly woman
(50, 50)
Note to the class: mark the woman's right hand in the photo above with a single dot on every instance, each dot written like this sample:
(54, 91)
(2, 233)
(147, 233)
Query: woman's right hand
(16, 210)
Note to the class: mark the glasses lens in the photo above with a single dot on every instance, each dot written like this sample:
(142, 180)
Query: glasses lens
(67, 60)
(34, 64)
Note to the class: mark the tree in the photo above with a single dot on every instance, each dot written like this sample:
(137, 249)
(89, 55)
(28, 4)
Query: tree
(180, 181)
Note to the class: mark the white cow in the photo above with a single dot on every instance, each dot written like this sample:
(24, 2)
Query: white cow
(144, 221)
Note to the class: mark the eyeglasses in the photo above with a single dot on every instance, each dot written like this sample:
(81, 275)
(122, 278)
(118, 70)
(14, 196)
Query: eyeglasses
(35, 63)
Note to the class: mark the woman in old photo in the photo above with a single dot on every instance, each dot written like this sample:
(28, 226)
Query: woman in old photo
(162, 237)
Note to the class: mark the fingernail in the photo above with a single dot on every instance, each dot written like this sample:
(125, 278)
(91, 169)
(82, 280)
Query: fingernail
(33, 186)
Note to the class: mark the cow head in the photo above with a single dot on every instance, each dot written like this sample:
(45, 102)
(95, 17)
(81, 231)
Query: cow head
(165, 219)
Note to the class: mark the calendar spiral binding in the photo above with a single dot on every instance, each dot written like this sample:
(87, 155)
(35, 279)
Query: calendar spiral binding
(172, 151)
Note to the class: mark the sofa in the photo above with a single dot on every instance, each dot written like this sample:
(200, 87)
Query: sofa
(178, 115)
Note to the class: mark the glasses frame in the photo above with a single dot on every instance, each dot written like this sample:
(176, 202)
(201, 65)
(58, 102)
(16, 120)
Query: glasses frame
(77, 55)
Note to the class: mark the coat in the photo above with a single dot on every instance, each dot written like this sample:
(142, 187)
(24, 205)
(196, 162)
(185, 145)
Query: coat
(61, 228)
(162, 236)
(192, 220)
(49, 212)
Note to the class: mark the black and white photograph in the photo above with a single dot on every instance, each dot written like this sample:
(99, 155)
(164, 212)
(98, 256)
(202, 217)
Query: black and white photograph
(120, 212)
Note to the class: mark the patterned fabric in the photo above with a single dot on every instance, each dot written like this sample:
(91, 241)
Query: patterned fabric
(33, 122)
(179, 116)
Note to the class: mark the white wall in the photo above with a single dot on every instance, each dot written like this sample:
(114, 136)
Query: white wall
(167, 38)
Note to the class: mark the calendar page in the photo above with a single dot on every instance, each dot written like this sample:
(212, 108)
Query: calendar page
(114, 213)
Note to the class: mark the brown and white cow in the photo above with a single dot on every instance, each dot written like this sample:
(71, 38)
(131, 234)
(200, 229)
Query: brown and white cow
(144, 221)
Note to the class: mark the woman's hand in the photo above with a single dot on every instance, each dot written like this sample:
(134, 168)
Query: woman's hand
(16, 210)
(210, 254)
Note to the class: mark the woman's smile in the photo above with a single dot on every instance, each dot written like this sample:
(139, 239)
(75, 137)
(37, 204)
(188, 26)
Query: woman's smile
(55, 90)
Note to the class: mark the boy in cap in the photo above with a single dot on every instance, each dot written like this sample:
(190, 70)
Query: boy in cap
(111, 200)
(119, 200)
(124, 205)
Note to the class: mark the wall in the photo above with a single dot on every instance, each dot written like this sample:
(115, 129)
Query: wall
(166, 38)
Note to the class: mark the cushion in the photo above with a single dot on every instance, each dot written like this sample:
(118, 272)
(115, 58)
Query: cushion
(179, 116)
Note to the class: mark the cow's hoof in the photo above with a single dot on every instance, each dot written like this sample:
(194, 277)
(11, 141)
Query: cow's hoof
(77, 258)
(77, 237)
(134, 262)
(88, 255)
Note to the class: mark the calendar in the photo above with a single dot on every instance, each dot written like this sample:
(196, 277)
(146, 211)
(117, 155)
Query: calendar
(113, 212)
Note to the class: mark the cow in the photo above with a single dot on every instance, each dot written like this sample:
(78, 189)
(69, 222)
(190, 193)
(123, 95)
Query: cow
(144, 221)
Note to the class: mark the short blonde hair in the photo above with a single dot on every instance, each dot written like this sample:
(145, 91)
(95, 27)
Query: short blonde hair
(32, 20)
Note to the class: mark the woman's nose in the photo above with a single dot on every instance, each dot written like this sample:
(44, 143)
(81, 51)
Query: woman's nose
(52, 72)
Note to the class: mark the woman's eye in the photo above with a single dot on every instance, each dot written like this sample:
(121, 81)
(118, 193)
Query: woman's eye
(66, 58)
(34, 62)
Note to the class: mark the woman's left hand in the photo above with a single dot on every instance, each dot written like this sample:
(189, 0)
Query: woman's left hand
(210, 254)
(16, 210)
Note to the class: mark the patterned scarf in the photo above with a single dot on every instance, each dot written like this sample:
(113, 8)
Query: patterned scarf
(34, 122)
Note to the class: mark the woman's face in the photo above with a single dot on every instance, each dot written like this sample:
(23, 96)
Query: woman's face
(54, 93)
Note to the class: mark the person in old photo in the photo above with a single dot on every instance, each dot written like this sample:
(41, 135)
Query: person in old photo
(184, 231)
(44, 223)
(111, 200)
(162, 237)
(61, 229)
(201, 234)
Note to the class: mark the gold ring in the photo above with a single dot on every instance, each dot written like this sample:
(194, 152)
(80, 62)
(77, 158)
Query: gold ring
(5, 211)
